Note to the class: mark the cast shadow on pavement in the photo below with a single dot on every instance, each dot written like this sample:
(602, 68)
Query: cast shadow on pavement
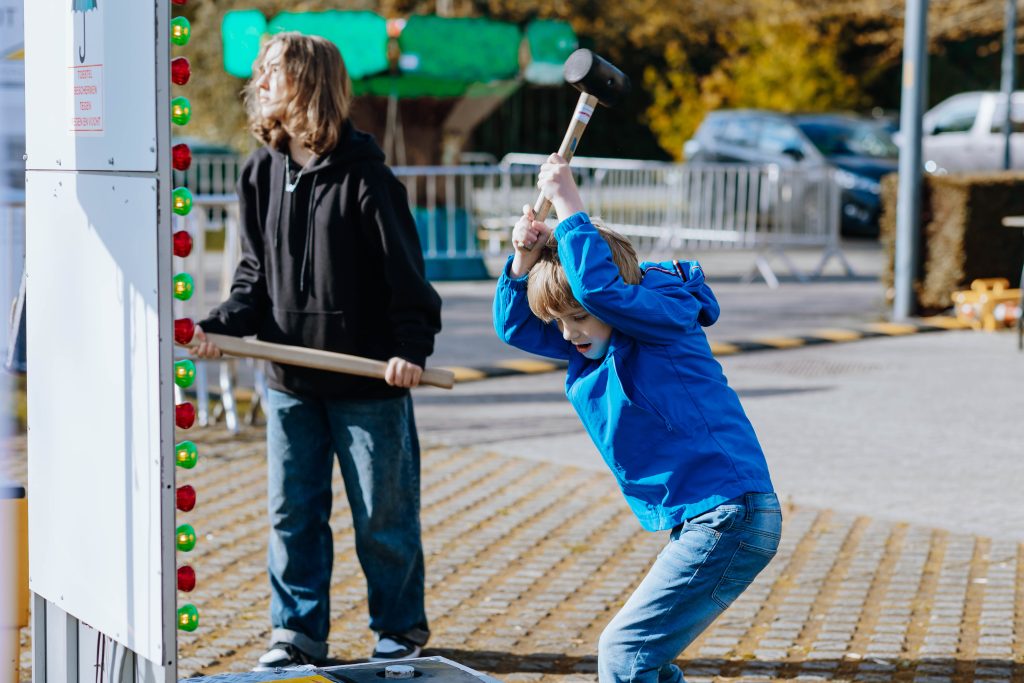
(875, 668)
(763, 392)
(475, 399)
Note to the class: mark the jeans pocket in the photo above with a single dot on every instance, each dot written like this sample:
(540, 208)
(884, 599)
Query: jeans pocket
(689, 550)
(747, 562)
(717, 520)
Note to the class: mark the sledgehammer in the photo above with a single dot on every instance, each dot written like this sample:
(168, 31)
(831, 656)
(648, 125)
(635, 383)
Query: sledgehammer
(598, 82)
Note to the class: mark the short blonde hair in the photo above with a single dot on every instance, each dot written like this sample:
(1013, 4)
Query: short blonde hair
(321, 94)
(547, 289)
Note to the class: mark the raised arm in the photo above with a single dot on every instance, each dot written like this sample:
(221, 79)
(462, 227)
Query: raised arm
(657, 314)
(656, 311)
(516, 324)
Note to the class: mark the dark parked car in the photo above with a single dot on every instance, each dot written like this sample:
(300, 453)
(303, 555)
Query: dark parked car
(859, 149)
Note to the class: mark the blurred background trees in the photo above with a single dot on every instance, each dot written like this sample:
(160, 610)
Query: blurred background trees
(686, 57)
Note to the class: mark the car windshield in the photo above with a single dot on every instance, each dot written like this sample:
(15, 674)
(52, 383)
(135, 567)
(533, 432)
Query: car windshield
(835, 138)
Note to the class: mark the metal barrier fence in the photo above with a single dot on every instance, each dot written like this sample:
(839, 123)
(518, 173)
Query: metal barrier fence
(662, 207)
(211, 174)
(665, 207)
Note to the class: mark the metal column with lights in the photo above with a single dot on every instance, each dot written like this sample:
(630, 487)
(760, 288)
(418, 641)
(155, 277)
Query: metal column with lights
(104, 230)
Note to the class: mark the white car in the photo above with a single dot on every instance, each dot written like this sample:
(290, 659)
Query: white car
(965, 133)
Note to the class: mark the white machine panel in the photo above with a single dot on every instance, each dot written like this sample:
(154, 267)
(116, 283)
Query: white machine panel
(94, 405)
(92, 99)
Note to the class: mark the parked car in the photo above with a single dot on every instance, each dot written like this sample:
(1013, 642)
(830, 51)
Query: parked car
(965, 133)
(859, 149)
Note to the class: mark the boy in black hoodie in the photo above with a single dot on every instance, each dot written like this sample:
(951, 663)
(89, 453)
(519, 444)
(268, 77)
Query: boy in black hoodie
(331, 260)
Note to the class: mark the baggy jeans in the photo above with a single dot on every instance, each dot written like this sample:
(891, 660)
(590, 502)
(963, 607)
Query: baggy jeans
(708, 561)
(377, 449)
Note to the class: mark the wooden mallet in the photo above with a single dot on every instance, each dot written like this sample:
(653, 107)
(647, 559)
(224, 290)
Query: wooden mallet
(320, 360)
(598, 82)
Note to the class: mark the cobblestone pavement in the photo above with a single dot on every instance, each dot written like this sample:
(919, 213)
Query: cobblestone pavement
(526, 562)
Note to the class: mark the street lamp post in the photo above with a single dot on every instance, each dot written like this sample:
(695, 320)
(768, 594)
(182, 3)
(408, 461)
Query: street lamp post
(1008, 76)
(908, 205)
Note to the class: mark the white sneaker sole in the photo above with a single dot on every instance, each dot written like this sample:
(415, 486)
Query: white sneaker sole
(413, 655)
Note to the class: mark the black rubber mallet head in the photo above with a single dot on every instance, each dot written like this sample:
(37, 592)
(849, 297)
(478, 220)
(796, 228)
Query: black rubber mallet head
(591, 74)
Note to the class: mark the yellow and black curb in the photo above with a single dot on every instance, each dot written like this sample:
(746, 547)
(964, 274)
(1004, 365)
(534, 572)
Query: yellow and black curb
(529, 366)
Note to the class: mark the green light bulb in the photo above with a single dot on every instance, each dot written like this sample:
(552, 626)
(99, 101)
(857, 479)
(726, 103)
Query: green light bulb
(181, 201)
(181, 110)
(185, 538)
(184, 373)
(181, 31)
(188, 617)
(186, 455)
(183, 286)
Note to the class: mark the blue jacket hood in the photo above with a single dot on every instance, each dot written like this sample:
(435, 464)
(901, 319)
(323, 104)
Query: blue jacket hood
(690, 276)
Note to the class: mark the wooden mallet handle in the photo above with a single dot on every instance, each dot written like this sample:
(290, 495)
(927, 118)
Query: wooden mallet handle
(320, 360)
(580, 118)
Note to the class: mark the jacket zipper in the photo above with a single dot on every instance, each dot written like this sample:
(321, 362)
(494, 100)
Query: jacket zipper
(668, 425)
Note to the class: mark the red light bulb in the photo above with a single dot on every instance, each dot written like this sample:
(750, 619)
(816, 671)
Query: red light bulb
(181, 71)
(182, 243)
(186, 578)
(179, 2)
(184, 415)
(186, 498)
(184, 329)
(181, 155)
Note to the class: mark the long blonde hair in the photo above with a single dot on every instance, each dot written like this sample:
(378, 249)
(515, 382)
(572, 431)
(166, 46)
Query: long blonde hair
(320, 88)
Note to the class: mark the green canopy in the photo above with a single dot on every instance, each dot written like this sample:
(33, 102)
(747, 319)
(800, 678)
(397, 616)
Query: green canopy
(420, 86)
(361, 36)
(440, 56)
(551, 43)
(459, 49)
(408, 86)
(241, 32)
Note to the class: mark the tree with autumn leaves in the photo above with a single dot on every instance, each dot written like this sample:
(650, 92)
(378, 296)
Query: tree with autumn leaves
(686, 57)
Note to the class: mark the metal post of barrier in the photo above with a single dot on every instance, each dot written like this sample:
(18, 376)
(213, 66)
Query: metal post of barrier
(450, 213)
(832, 223)
(431, 192)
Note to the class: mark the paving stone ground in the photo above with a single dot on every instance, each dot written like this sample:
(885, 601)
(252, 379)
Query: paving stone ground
(527, 561)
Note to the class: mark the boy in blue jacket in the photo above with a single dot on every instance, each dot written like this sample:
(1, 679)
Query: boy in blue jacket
(654, 400)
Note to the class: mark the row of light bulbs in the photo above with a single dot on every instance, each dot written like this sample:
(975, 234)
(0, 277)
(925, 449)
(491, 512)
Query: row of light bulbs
(185, 453)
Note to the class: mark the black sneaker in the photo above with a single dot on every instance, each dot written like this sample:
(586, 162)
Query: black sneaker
(391, 648)
(281, 656)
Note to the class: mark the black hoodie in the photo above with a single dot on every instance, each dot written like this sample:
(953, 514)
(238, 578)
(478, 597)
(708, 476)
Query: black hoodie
(334, 265)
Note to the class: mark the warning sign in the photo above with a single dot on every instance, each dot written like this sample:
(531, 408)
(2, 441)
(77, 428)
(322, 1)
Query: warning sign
(87, 51)
(87, 96)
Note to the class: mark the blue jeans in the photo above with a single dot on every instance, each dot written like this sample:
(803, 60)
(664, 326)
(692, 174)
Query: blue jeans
(377, 449)
(708, 562)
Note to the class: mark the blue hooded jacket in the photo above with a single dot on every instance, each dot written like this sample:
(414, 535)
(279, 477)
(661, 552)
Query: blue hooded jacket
(657, 406)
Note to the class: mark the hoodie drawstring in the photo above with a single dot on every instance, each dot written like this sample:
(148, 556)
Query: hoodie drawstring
(280, 210)
(306, 271)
